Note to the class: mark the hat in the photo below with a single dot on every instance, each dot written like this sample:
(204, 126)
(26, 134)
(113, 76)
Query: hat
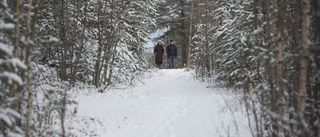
(171, 40)
(159, 41)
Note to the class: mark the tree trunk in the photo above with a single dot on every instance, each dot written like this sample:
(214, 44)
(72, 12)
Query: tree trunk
(304, 58)
(97, 65)
(63, 67)
(110, 70)
(189, 52)
(15, 91)
(280, 59)
(104, 45)
(78, 57)
(270, 27)
(28, 63)
(183, 33)
(251, 83)
(314, 51)
(72, 46)
(109, 50)
(207, 52)
(56, 25)
(63, 112)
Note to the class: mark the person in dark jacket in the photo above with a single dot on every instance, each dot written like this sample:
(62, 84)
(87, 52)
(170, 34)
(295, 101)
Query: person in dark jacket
(159, 51)
(172, 54)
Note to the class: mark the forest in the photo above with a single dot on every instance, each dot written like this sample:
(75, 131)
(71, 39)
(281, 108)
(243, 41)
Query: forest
(269, 50)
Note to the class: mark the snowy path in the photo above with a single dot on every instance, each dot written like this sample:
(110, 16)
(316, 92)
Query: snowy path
(171, 103)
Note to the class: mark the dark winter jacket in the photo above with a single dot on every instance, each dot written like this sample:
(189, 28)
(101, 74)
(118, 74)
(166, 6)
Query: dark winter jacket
(171, 50)
(158, 51)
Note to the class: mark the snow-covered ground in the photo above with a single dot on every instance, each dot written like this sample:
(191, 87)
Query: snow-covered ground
(170, 103)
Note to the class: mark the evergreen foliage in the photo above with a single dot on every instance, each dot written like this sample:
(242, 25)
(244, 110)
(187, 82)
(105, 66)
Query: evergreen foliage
(256, 46)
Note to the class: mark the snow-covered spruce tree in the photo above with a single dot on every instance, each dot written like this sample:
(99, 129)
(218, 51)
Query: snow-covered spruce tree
(63, 35)
(46, 39)
(202, 47)
(87, 50)
(257, 47)
(231, 46)
(49, 105)
(244, 57)
(73, 56)
(10, 65)
(230, 43)
(277, 84)
(123, 56)
(138, 23)
(15, 120)
(266, 59)
(221, 38)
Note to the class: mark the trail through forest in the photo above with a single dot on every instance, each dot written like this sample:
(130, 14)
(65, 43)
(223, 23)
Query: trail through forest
(170, 103)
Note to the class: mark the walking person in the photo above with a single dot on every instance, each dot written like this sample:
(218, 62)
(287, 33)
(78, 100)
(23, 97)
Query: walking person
(171, 53)
(159, 51)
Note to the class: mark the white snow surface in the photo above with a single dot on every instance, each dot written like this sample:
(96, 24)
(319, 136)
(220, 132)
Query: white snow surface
(170, 103)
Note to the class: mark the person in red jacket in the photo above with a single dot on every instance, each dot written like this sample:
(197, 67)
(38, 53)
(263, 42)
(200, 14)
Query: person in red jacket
(159, 51)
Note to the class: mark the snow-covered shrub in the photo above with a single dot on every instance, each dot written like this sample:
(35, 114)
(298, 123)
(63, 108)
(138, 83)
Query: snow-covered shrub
(51, 105)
